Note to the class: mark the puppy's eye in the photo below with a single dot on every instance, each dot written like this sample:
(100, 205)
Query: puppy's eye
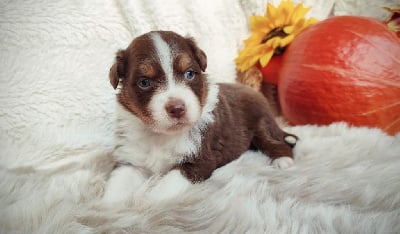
(144, 83)
(189, 74)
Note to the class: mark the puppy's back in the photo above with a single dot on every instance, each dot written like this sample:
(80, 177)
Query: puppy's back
(244, 100)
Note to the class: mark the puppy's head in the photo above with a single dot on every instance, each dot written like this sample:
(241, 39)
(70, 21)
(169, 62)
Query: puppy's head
(162, 80)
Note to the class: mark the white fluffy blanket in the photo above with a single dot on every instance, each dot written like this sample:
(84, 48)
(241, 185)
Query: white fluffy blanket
(56, 132)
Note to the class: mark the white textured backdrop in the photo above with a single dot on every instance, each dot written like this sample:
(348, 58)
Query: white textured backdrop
(56, 130)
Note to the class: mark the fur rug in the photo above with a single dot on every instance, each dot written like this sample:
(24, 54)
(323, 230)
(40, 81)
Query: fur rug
(346, 180)
(56, 132)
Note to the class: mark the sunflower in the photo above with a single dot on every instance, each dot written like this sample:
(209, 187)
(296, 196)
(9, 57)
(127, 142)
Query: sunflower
(393, 20)
(272, 33)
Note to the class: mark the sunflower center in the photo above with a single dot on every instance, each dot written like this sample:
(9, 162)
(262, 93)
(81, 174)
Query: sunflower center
(276, 32)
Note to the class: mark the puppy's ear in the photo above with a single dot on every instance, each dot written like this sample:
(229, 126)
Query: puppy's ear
(117, 71)
(201, 57)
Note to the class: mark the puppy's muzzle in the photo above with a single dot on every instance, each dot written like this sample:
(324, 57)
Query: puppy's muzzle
(175, 108)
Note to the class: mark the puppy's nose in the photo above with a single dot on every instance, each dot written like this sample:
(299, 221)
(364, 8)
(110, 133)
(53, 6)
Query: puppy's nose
(175, 108)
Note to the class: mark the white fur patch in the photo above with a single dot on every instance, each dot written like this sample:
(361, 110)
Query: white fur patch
(170, 186)
(122, 184)
(291, 140)
(211, 102)
(164, 54)
(283, 162)
(137, 143)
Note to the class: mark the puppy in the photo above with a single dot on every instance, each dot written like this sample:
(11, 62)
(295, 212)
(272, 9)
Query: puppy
(175, 122)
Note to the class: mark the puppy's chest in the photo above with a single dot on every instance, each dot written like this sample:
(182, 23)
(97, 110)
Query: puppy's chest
(156, 154)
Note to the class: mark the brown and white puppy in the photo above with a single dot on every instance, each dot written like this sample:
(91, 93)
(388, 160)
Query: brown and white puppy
(173, 121)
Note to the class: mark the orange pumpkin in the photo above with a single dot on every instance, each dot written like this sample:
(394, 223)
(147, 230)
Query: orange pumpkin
(270, 72)
(345, 68)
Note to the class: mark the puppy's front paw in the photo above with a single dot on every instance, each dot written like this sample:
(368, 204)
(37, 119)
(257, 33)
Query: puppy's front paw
(124, 181)
(283, 163)
(170, 186)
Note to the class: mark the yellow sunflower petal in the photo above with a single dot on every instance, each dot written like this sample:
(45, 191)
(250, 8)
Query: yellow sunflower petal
(266, 58)
(299, 12)
(312, 20)
(275, 42)
(271, 12)
(248, 63)
(254, 39)
(279, 22)
(288, 29)
(286, 41)
(257, 22)
(299, 24)
(290, 11)
(285, 8)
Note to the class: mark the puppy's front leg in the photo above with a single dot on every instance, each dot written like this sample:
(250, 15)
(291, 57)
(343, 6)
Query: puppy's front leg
(122, 184)
(182, 176)
(169, 186)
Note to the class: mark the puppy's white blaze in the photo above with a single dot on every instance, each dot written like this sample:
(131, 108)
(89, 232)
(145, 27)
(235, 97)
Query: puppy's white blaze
(165, 55)
(162, 122)
(170, 186)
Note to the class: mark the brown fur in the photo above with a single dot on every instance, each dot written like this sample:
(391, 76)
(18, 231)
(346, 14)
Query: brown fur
(242, 120)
